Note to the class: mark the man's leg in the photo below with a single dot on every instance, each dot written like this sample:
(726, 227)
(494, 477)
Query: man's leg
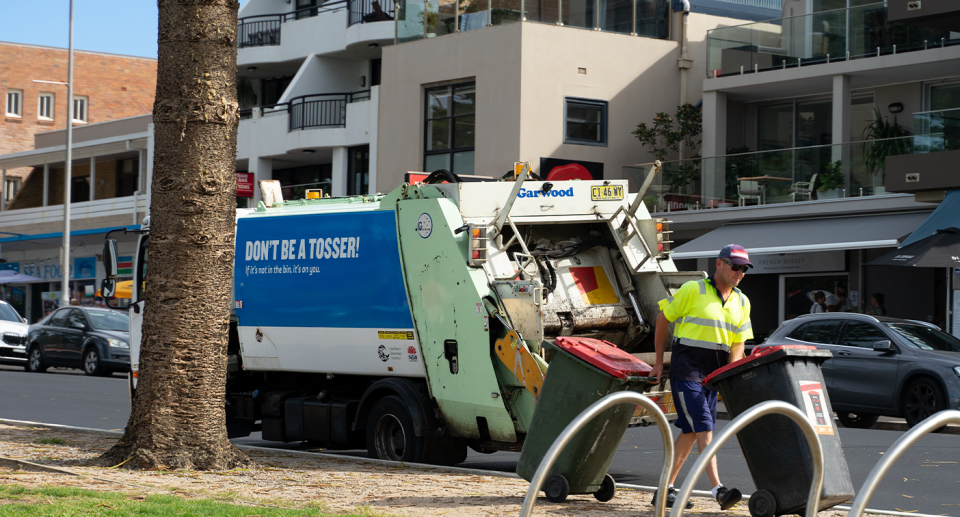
(703, 440)
(681, 449)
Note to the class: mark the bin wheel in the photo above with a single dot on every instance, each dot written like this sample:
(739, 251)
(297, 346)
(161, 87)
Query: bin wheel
(557, 488)
(608, 488)
(857, 420)
(762, 504)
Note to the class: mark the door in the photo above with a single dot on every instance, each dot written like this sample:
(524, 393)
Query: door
(73, 334)
(864, 376)
(50, 337)
(358, 175)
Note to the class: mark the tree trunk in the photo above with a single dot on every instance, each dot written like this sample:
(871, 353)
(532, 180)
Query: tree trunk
(178, 419)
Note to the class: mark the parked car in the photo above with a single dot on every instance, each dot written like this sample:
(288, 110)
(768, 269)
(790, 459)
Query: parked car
(13, 330)
(880, 366)
(94, 340)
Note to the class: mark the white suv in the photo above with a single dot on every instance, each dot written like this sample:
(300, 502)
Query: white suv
(13, 336)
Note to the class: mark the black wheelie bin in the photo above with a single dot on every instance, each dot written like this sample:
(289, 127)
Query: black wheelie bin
(581, 372)
(774, 447)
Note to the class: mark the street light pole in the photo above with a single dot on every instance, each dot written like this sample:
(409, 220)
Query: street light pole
(65, 251)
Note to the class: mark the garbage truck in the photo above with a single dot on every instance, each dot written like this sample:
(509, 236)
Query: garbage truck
(411, 323)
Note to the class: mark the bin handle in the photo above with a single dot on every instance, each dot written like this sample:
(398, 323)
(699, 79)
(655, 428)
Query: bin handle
(622, 397)
(893, 454)
(735, 426)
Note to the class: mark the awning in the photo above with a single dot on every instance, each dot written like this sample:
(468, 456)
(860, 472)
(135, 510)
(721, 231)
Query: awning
(947, 215)
(838, 233)
(23, 242)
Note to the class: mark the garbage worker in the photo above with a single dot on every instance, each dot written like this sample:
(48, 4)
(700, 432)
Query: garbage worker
(712, 322)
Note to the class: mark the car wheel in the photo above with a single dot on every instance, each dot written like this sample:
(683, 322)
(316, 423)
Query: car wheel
(390, 434)
(91, 363)
(921, 399)
(857, 420)
(35, 360)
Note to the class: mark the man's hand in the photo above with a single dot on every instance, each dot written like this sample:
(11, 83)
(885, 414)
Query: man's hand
(657, 371)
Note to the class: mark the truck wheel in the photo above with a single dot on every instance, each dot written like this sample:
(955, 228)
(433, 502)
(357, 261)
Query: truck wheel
(608, 488)
(762, 504)
(557, 488)
(921, 399)
(35, 360)
(857, 420)
(390, 434)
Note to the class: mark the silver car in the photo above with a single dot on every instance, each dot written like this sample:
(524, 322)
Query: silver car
(880, 366)
(13, 336)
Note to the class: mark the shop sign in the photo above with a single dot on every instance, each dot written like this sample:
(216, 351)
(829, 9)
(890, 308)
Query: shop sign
(244, 184)
(798, 262)
(83, 268)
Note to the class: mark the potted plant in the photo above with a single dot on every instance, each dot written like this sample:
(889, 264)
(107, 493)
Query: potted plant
(883, 139)
(831, 181)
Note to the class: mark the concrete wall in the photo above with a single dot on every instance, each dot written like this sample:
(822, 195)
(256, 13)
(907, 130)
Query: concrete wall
(326, 75)
(910, 95)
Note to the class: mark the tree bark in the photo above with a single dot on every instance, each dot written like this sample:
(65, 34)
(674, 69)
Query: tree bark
(178, 419)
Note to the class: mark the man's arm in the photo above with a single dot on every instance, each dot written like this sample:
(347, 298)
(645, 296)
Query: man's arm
(659, 343)
(736, 353)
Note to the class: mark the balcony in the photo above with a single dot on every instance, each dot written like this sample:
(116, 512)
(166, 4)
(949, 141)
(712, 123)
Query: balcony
(801, 174)
(931, 168)
(937, 131)
(264, 29)
(829, 36)
(422, 19)
(312, 111)
(368, 11)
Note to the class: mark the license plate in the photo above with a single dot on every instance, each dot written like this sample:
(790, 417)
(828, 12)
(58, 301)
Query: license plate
(607, 193)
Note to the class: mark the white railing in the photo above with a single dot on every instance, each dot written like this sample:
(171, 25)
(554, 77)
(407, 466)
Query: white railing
(120, 207)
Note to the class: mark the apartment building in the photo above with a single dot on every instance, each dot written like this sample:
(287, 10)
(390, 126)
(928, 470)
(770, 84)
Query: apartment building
(350, 96)
(812, 125)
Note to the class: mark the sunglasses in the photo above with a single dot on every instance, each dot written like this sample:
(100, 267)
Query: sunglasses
(736, 267)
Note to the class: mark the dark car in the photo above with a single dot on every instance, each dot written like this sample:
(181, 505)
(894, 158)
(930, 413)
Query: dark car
(94, 340)
(880, 366)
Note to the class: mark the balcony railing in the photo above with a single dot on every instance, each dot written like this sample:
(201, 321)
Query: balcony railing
(936, 131)
(420, 19)
(824, 37)
(368, 11)
(800, 174)
(314, 111)
(264, 29)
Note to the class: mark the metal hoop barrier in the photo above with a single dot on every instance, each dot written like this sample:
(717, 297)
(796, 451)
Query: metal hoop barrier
(896, 450)
(761, 409)
(622, 397)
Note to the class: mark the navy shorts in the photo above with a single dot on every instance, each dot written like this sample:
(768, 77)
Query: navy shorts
(696, 406)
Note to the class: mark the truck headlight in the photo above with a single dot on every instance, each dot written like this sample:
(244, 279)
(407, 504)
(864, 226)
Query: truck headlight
(116, 343)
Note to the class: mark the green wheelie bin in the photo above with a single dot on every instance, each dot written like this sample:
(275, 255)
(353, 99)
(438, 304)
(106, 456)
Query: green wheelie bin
(581, 372)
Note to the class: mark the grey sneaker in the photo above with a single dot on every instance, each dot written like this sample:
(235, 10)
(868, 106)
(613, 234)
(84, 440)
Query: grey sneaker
(727, 497)
(671, 498)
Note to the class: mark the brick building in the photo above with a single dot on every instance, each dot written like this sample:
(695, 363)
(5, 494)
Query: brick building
(106, 87)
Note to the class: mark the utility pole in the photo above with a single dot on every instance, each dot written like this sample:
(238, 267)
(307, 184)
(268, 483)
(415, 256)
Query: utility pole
(65, 251)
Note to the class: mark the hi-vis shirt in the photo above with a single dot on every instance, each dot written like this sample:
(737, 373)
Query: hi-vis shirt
(705, 328)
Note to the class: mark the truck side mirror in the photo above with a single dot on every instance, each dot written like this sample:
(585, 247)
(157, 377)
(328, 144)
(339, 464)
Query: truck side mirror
(108, 288)
(884, 345)
(110, 259)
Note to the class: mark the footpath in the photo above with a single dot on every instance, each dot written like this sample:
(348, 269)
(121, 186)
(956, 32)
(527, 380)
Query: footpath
(45, 456)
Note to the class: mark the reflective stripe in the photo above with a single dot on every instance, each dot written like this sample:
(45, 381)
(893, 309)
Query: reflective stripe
(715, 324)
(669, 299)
(746, 326)
(703, 287)
(696, 343)
(686, 412)
(743, 299)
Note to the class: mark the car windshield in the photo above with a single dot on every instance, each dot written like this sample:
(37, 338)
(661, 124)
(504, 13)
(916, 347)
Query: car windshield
(103, 320)
(8, 313)
(926, 338)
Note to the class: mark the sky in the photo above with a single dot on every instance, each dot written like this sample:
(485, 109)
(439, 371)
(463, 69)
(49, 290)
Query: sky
(115, 26)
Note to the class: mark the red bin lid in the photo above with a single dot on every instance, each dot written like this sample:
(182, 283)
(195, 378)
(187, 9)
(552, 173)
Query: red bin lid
(758, 353)
(605, 356)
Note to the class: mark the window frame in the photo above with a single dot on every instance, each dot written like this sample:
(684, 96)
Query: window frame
(85, 104)
(604, 121)
(11, 184)
(451, 151)
(19, 104)
(52, 105)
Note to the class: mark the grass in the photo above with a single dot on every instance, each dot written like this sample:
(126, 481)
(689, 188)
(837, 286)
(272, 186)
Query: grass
(50, 441)
(75, 502)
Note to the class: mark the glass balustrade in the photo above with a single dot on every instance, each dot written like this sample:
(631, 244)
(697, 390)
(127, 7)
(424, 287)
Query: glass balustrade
(852, 33)
(795, 175)
(936, 131)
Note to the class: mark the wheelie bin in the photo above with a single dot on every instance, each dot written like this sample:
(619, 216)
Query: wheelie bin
(774, 447)
(581, 372)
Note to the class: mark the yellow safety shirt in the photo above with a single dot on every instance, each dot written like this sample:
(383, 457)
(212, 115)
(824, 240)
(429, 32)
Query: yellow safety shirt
(704, 319)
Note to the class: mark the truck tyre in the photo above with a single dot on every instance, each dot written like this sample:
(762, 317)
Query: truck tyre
(35, 360)
(857, 420)
(921, 399)
(390, 434)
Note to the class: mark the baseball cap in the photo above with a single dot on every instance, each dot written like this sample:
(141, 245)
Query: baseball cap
(736, 254)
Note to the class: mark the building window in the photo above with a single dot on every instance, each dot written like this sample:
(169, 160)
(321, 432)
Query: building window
(45, 108)
(358, 171)
(10, 189)
(14, 103)
(450, 127)
(80, 108)
(586, 122)
(128, 175)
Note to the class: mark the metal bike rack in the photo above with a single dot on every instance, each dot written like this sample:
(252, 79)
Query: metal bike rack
(893, 454)
(764, 408)
(622, 397)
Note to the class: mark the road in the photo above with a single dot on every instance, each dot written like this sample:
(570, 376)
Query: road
(923, 480)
